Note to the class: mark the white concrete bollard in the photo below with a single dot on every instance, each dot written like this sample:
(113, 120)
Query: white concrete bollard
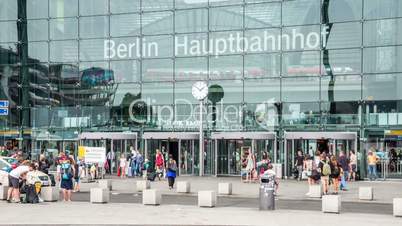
(331, 204)
(151, 197)
(207, 198)
(397, 207)
(3, 192)
(225, 188)
(99, 195)
(105, 184)
(366, 193)
(143, 185)
(50, 194)
(315, 191)
(183, 187)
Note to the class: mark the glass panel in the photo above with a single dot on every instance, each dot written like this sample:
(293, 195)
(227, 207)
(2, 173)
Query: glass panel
(8, 10)
(11, 35)
(226, 18)
(232, 90)
(301, 113)
(124, 6)
(345, 61)
(128, 48)
(224, 43)
(383, 32)
(343, 88)
(183, 93)
(38, 30)
(301, 63)
(223, 2)
(300, 38)
(263, 15)
(63, 28)
(126, 70)
(301, 12)
(157, 93)
(382, 87)
(191, 44)
(62, 8)
(267, 40)
(37, 9)
(157, 46)
(190, 3)
(156, 5)
(157, 23)
(377, 9)
(64, 51)
(345, 10)
(126, 94)
(186, 157)
(91, 50)
(194, 68)
(382, 59)
(304, 89)
(345, 35)
(226, 67)
(223, 156)
(39, 51)
(262, 65)
(94, 27)
(157, 70)
(94, 7)
(125, 25)
(193, 20)
(262, 90)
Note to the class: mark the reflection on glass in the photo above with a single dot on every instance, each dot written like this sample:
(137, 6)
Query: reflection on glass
(66, 28)
(62, 8)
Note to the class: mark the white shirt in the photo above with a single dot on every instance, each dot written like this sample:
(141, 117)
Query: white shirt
(16, 173)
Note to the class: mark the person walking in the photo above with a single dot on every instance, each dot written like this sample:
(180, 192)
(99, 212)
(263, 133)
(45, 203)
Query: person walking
(77, 174)
(65, 176)
(308, 167)
(372, 160)
(344, 162)
(336, 172)
(325, 171)
(353, 165)
(133, 163)
(171, 171)
(159, 163)
(299, 160)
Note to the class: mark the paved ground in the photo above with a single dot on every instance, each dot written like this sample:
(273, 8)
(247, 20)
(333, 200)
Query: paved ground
(135, 214)
(384, 191)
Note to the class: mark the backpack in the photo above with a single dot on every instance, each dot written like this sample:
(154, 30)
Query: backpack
(66, 172)
(336, 170)
(326, 169)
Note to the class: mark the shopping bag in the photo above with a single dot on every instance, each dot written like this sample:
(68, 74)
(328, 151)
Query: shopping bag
(118, 172)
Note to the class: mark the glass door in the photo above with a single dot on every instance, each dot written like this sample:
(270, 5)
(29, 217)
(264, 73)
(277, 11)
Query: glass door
(186, 157)
(222, 157)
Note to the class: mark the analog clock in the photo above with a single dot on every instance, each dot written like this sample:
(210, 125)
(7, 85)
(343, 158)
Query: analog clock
(200, 90)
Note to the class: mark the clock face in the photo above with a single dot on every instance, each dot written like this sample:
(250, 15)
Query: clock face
(200, 90)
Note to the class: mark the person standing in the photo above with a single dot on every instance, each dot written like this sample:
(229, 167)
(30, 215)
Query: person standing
(110, 158)
(308, 167)
(372, 160)
(123, 166)
(139, 162)
(171, 171)
(325, 170)
(336, 172)
(353, 165)
(65, 176)
(344, 162)
(299, 164)
(133, 163)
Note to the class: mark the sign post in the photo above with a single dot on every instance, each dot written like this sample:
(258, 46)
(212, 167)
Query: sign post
(200, 92)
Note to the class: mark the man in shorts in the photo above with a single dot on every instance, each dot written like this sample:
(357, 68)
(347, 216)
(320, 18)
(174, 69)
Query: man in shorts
(14, 178)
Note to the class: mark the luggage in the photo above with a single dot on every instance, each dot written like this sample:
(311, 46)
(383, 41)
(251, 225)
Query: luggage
(151, 176)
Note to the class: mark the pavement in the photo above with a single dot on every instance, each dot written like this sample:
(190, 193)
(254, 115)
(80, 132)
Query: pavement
(384, 191)
(82, 213)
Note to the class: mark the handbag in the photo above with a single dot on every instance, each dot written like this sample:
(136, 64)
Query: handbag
(118, 171)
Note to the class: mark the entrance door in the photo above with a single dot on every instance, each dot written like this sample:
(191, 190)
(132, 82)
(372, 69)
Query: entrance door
(187, 157)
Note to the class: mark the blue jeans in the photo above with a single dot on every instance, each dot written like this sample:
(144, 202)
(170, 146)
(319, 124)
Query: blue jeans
(133, 169)
(343, 179)
(372, 172)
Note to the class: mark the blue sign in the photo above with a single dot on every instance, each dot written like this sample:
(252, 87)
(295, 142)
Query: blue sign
(3, 111)
(4, 103)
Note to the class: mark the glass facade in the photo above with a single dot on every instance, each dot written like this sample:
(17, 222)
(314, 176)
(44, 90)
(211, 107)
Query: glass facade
(128, 65)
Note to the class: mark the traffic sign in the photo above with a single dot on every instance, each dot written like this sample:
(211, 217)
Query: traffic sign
(3, 111)
(4, 103)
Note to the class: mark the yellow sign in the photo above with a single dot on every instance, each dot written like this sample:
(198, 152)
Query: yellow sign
(81, 152)
(393, 132)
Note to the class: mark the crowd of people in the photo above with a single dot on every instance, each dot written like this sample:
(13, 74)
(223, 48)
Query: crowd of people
(327, 169)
